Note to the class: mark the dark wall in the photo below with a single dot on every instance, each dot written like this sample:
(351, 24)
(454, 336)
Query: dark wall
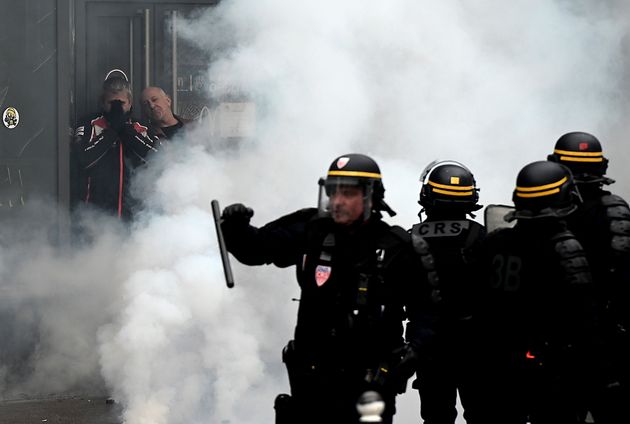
(29, 81)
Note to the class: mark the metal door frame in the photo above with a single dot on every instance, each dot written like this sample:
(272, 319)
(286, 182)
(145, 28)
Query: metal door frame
(80, 14)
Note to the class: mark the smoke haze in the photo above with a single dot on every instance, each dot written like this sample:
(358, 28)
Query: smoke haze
(142, 313)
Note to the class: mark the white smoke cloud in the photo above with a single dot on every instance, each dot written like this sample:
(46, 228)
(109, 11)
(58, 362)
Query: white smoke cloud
(143, 314)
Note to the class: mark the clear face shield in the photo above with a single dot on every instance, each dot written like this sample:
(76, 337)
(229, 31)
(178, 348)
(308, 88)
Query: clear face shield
(356, 192)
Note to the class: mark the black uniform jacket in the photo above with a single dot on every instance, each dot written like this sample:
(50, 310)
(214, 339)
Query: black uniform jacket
(540, 289)
(355, 283)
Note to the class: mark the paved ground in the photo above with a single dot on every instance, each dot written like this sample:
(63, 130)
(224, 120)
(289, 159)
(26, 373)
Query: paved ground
(76, 410)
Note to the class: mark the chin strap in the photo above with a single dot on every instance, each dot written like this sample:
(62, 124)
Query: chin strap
(385, 207)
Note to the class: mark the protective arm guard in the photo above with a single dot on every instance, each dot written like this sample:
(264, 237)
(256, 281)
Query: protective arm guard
(279, 242)
(573, 260)
(618, 216)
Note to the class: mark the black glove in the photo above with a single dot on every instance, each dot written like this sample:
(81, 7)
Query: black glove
(237, 214)
(405, 361)
(127, 132)
(116, 117)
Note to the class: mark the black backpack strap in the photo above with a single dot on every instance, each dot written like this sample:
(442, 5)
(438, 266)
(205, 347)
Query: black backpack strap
(421, 247)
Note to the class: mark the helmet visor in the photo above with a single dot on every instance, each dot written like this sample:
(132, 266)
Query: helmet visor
(344, 186)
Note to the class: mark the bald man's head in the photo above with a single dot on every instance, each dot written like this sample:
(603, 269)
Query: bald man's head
(156, 104)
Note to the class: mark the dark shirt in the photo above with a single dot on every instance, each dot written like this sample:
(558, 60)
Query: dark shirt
(170, 131)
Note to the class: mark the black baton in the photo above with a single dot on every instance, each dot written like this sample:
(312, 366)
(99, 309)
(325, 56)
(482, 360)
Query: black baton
(227, 269)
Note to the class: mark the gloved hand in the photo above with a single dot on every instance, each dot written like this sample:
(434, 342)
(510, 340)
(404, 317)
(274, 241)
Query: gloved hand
(127, 133)
(405, 362)
(237, 214)
(116, 117)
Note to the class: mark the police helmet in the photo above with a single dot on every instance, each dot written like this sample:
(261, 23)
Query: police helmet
(356, 169)
(544, 189)
(582, 153)
(449, 184)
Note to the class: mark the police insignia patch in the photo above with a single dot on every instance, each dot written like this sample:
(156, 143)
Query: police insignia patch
(341, 162)
(322, 273)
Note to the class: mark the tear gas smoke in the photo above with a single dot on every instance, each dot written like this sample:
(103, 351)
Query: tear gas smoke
(491, 85)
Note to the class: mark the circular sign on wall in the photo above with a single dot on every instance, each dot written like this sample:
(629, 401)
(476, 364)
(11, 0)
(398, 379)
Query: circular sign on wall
(10, 118)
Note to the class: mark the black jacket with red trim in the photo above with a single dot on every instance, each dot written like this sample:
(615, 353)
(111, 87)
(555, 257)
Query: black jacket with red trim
(106, 160)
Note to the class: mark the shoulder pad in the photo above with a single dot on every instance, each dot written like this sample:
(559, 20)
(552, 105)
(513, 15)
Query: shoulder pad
(618, 215)
(392, 236)
(620, 244)
(400, 232)
(420, 245)
(572, 258)
(613, 200)
(616, 207)
(618, 212)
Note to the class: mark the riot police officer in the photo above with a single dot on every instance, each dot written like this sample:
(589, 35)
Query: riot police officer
(448, 195)
(538, 316)
(602, 224)
(356, 275)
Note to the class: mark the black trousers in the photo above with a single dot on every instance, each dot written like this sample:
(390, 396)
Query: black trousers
(453, 368)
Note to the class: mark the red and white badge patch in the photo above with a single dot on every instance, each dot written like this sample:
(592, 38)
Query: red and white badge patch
(322, 273)
(341, 162)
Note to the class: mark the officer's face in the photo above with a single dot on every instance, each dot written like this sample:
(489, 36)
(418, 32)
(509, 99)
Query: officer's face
(346, 204)
(110, 97)
(156, 104)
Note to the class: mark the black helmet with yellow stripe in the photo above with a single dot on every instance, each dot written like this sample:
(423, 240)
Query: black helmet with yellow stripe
(544, 189)
(582, 153)
(448, 185)
(355, 169)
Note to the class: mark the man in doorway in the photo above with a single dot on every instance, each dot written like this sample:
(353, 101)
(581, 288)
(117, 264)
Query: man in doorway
(157, 105)
(107, 149)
